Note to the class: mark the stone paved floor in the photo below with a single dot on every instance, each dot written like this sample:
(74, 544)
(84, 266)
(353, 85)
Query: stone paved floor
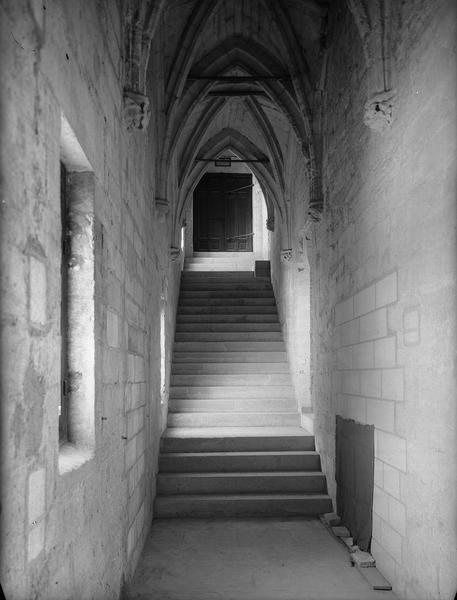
(246, 559)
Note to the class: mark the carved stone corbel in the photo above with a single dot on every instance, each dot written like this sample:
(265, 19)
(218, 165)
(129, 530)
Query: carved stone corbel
(315, 210)
(373, 19)
(175, 253)
(286, 255)
(162, 207)
(378, 111)
(136, 110)
(270, 223)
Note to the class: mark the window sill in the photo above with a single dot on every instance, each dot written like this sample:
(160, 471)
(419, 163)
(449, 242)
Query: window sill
(71, 458)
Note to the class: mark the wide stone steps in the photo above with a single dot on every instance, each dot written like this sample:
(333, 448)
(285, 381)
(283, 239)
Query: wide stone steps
(236, 285)
(225, 327)
(225, 293)
(230, 346)
(229, 419)
(228, 336)
(229, 368)
(226, 462)
(245, 505)
(214, 254)
(220, 262)
(222, 310)
(227, 318)
(231, 391)
(244, 483)
(228, 357)
(237, 439)
(265, 301)
(234, 446)
(246, 405)
(224, 275)
(218, 277)
(229, 379)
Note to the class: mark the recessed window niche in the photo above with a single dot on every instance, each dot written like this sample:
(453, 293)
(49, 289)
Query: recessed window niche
(76, 414)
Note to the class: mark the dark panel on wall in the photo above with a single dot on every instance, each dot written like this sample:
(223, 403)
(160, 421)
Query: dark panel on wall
(355, 478)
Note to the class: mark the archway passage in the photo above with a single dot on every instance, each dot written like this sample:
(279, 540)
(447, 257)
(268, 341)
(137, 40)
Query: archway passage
(223, 213)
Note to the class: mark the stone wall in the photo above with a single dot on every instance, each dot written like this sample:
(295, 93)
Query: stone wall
(74, 517)
(383, 264)
(290, 272)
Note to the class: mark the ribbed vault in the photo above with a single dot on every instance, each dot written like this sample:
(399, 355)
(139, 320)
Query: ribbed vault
(237, 76)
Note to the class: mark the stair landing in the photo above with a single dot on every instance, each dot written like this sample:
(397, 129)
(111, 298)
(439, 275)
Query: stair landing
(220, 261)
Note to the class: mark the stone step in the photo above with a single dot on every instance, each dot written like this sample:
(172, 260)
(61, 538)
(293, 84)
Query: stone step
(211, 274)
(228, 419)
(245, 294)
(228, 357)
(243, 505)
(219, 267)
(227, 310)
(228, 368)
(259, 482)
(237, 263)
(184, 302)
(226, 462)
(239, 380)
(226, 318)
(236, 439)
(229, 347)
(230, 391)
(221, 277)
(199, 278)
(181, 405)
(255, 285)
(226, 327)
(228, 336)
(214, 254)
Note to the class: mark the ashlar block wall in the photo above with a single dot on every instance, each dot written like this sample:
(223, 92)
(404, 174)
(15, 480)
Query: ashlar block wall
(369, 386)
(74, 516)
(383, 286)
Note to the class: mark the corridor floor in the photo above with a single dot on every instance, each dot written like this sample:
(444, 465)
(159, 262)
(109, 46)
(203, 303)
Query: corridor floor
(246, 559)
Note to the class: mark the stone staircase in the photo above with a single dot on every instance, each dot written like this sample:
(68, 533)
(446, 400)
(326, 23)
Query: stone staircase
(234, 446)
(233, 262)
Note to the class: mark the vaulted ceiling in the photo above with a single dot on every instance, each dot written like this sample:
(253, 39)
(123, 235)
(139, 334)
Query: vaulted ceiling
(239, 76)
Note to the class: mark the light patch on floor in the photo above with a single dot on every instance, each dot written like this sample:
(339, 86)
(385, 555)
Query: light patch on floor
(246, 559)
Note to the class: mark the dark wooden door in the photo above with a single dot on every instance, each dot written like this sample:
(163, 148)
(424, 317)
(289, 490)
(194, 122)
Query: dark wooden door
(223, 213)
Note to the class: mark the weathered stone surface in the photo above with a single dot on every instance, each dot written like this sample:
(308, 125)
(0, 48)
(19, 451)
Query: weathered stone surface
(384, 243)
(341, 531)
(366, 298)
(362, 559)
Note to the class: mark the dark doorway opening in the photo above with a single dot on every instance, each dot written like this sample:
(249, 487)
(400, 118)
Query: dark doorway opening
(223, 213)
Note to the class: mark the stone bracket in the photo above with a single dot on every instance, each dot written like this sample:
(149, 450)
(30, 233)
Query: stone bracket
(162, 207)
(136, 110)
(378, 110)
(270, 224)
(286, 255)
(175, 253)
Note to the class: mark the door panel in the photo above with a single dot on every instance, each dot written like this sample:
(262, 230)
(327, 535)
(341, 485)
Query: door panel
(223, 213)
